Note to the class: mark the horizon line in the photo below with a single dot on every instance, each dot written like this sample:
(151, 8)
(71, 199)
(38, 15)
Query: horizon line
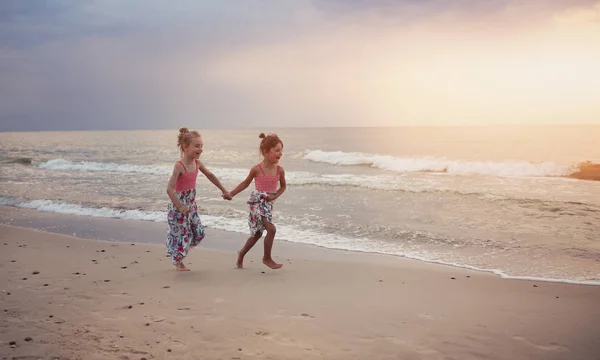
(265, 128)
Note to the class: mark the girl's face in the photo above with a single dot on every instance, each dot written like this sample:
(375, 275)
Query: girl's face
(274, 154)
(194, 149)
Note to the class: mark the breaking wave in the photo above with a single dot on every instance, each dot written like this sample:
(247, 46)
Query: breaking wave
(583, 170)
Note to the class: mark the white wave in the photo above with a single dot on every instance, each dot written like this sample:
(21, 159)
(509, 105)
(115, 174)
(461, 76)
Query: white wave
(284, 232)
(76, 209)
(417, 183)
(237, 174)
(423, 164)
(66, 165)
(62, 164)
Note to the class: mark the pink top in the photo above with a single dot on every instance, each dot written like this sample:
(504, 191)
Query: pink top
(266, 183)
(187, 180)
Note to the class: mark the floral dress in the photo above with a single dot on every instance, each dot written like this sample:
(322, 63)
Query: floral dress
(185, 231)
(259, 208)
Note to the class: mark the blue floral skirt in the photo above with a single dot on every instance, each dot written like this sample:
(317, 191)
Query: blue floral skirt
(185, 232)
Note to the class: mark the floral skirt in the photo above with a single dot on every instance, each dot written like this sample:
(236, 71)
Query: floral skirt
(185, 232)
(259, 208)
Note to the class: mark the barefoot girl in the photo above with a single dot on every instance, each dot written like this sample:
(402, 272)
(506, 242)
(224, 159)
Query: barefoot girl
(185, 228)
(267, 176)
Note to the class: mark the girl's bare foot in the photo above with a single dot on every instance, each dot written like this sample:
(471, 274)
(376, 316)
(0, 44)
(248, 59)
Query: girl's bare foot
(272, 264)
(181, 267)
(240, 261)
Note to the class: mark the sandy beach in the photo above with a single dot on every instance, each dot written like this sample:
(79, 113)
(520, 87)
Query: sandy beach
(70, 298)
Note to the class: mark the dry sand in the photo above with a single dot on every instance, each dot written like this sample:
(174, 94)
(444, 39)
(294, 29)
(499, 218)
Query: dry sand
(104, 300)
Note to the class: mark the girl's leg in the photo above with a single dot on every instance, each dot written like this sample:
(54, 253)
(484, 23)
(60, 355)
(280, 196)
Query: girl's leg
(252, 240)
(267, 259)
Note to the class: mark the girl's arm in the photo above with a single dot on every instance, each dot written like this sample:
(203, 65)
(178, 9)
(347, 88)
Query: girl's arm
(282, 185)
(210, 176)
(244, 184)
(177, 169)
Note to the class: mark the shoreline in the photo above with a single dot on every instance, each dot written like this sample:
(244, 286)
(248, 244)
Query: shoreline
(113, 229)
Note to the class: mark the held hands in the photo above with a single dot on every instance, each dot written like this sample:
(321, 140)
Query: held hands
(227, 195)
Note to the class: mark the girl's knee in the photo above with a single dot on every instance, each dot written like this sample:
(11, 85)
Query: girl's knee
(271, 229)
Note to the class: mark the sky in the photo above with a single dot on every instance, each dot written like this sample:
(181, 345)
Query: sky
(161, 64)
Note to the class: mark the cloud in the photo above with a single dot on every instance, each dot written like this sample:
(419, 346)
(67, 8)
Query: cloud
(156, 64)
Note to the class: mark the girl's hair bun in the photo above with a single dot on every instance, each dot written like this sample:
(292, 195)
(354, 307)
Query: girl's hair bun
(183, 130)
(262, 135)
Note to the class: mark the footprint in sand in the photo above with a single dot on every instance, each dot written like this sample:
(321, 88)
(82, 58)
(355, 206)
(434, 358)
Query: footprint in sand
(551, 347)
(303, 316)
(390, 339)
(425, 316)
(284, 340)
(154, 319)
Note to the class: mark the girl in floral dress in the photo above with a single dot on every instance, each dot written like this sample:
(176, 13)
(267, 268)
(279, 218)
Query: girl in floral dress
(269, 180)
(185, 228)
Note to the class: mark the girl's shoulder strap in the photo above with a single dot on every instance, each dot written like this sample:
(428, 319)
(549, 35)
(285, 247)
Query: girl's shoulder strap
(278, 167)
(261, 169)
(181, 162)
(197, 162)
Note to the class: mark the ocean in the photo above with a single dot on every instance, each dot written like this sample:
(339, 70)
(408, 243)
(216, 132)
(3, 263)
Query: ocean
(519, 201)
